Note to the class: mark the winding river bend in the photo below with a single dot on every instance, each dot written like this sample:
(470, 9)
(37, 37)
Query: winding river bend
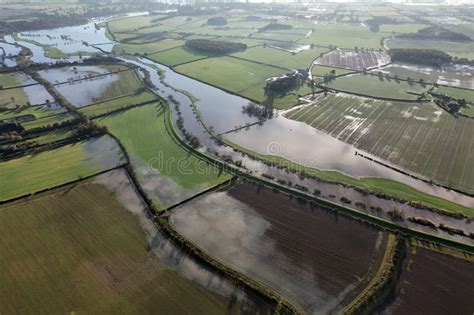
(293, 140)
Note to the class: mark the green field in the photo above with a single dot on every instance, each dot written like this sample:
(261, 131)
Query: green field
(374, 86)
(79, 250)
(47, 169)
(343, 36)
(458, 49)
(280, 58)
(117, 103)
(47, 121)
(130, 24)
(148, 48)
(176, 56)
(165, 169)
(422, 138)
(468, 95)
(231, 74)
(128, 82)
(12, 98)
(9, 80)
(319, 70)
(37, 111)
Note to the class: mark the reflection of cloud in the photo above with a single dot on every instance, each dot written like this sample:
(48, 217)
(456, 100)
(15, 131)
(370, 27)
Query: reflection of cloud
(236, 234)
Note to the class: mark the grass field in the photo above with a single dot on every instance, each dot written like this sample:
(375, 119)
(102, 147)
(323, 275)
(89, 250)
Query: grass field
(319, 70)
(166, 170)
(458, 49)
(37, 111)
(231, 74)
(373, 86)
(47, 169)
(80, 250)
(343, 36)
(12, 98)
(9, 80)
(422, 138)
(468, 95)
(113, 104)
(47, 121)
(280, 58)
(148, 48)
(176, 56)
(130, 24)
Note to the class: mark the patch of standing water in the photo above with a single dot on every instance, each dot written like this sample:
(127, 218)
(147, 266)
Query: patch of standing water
(91, 88)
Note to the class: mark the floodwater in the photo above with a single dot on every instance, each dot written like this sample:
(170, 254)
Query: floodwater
(104, 152)
(169, 255)
(91, 89)
(262, 245)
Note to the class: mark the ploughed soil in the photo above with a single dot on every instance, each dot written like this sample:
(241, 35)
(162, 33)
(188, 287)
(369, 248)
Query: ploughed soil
(337, 251)
(434, 283)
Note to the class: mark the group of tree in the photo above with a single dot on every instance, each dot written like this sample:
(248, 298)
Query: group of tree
(436, 33)
(217, 21)
(375, 22)
(429, 57)
(255, 110)
(214, 47)
(275, 27)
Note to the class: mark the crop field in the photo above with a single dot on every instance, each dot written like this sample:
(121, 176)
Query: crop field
(82, 249)
(231, 74)
(168, 173)
(47, 169)
(372, 85)
(281, 58)
(354, 60)
(274, 238)
(148, 48)
(457, 77)
(458, 49)
(117, 103)
(176, 56)
(421, 138)
(343, 36)
(432, 282)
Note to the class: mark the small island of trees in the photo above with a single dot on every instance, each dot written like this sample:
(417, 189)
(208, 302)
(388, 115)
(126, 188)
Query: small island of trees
(214, 47)
(429, 57)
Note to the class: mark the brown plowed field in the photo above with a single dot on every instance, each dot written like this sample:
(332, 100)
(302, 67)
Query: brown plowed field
(434, 283)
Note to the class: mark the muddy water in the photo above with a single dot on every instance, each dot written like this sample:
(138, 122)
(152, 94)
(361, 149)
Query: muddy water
(263, 246)
(91, 89)
(170, 255)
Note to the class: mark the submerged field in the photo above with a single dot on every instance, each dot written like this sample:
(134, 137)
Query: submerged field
(311, 256)
(167, 171)
(83, 249)
(421, 138)
(48, 169)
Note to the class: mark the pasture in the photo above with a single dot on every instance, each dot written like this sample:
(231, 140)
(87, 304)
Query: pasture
(167, 171)
(320, 71)
(257, 231)
(32, 173)
(36, 111)
(148, 48)
(468, 95)
(231, 74)
(455, 49)
(421, 138)
(176, 56)
(375, 86)
(47, 121)
(13, 98)
(82, 249)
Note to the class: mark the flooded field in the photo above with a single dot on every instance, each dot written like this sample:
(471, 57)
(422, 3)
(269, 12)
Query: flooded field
(309, 255)
(354, 60)
(417, 137)
(101, 253)
(434, 283)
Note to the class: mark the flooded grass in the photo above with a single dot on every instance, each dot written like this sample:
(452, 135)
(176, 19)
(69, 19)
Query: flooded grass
(84, 249)
(48, 169)
(167, 172)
